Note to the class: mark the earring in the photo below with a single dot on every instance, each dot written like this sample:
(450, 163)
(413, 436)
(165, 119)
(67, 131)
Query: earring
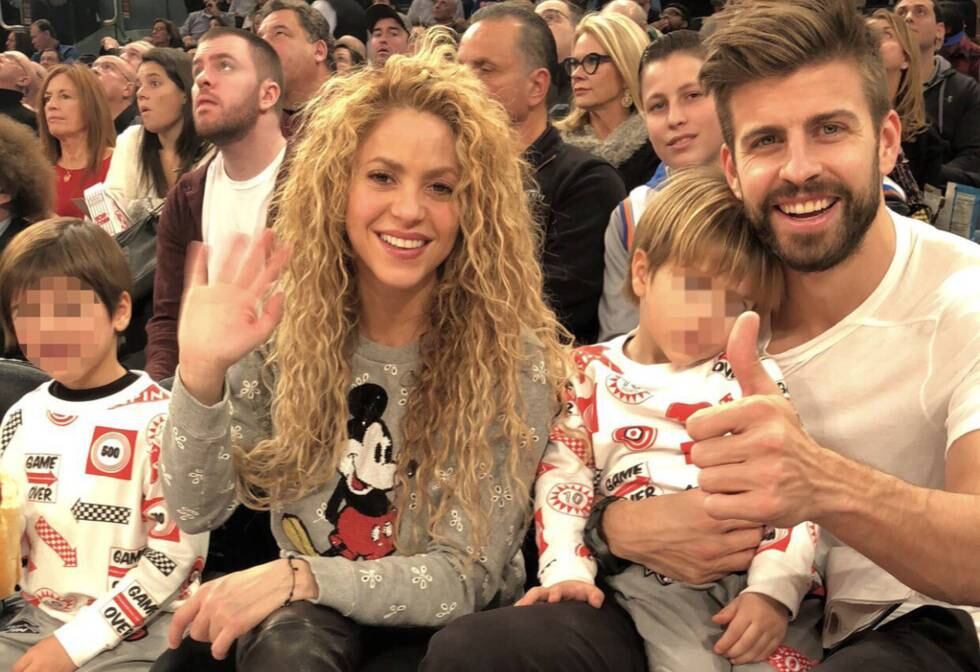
(627, 100)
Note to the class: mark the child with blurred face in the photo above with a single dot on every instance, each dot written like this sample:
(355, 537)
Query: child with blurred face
(82, 450)
(695, 267)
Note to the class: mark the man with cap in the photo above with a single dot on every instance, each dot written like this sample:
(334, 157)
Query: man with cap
(388, 33)
(118, 79)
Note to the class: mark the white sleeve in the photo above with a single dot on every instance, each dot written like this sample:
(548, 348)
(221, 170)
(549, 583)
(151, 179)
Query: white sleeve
(122, 180)
(783, 565)
(563, 494)
(955, 355)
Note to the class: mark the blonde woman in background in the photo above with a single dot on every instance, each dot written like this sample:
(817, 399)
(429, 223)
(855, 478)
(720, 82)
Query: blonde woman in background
(391, 402)
(604, 118)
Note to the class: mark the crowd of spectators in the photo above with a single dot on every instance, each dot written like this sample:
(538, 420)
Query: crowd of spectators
(520, 228)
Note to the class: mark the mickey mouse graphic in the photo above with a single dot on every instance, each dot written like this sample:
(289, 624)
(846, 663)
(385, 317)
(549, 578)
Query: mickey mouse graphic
(359, 509)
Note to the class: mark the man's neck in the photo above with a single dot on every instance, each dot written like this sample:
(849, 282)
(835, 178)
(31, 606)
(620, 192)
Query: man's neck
(297, 94)
(531, 128)
(927, 66)
(606, 119)
(117, 107)
(815, 302)
(247, 157)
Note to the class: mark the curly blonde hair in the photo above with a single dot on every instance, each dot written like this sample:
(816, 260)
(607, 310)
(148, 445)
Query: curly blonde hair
(624, 41)
(486, 306)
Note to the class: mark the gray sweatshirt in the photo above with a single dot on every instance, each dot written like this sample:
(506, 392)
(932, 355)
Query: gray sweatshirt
(346, 529)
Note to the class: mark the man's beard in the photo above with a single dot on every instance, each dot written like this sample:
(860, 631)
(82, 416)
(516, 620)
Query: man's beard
(231, 127)
(816, 252)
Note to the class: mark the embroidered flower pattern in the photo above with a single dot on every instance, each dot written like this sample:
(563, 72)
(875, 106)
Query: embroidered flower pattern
(483, 472)
(360, 380)
(196, 476)
(391, 369)
(404, 396)
(250, 388)
(395, 609)
(445, 475)
(224, 456)
(501, 496)
(179, 438)
(413, 501)
(455, 520)
(422, 577)
(186, 513)
(538, 373)
(445, 609)
(371, 577)
(236, 433)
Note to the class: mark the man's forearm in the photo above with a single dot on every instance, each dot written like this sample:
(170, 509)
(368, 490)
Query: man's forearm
(927, 539)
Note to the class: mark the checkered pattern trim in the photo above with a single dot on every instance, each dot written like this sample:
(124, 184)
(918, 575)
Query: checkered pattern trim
(160, 561)
(58, 543)
(14, 421)
(100, 513)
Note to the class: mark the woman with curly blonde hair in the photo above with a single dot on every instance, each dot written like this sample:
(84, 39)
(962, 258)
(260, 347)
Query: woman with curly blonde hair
(605, 118)
(389, 403)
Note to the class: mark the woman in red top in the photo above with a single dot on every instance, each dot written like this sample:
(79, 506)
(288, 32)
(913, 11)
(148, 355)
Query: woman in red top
(77, 133)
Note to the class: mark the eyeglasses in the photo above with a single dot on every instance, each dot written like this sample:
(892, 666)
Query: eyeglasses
(590, 63)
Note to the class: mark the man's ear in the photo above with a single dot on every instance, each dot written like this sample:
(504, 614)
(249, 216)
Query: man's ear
(123, 313)
(731, 172)
(269, 94)
(539, 83)
(320, 51)
(889, 142)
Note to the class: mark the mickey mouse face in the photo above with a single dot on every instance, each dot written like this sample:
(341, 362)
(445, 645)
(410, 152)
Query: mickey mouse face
(370, 462)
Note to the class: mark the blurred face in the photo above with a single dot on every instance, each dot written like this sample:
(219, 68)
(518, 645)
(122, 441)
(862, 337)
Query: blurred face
(132, 55)
(890, 49)
(387, 38)
(810, 173)
(41, 39)
(226, 90)
(443, 10)
(685, 313)
(113, 81)
(556, 15)
(49, 59)
(160, 100)
(921, 17)
(605, 86)
(300, 57)
(11, 41)
(211, 8)
(65, 330)
(674, 18)
(490, 49)
(402, 220)
(681, 119)
(62, 108)
(159, 37)
(342, 59)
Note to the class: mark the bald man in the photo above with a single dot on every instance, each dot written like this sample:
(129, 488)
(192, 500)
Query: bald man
(118, 79)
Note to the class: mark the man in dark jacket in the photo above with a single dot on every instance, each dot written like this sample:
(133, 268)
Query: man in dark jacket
(14, 81)
(952, 99)
(512, 51)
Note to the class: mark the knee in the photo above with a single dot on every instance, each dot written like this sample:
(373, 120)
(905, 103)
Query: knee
(298, 638)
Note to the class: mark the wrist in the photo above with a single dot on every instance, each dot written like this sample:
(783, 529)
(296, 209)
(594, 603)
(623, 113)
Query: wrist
(204, 382)
(301, 584)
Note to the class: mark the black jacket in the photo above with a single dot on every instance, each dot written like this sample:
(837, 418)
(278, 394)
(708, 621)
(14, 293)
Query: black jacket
(126, 118)
(925, 155)
(576, 194)
(351, 19)
(953, 107)
(10, 104)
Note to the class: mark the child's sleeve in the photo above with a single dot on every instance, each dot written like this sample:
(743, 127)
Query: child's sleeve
(166, 565)
(783, 565)
(564, 491)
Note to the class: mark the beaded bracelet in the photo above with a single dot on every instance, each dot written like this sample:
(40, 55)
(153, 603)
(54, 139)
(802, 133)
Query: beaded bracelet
(290, 556)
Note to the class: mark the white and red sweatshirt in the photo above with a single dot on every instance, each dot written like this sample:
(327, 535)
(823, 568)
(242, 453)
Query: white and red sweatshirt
(621, 433)
(103, 553)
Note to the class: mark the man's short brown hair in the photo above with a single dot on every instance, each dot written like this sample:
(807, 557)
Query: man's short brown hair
(62, 246)
(759, 39)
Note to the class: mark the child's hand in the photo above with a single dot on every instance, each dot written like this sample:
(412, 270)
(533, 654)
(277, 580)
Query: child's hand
(46, 656)
(755, 626)
(579, 591)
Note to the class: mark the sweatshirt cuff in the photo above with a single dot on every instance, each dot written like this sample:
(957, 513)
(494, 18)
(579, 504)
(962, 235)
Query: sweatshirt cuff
(788, 591)
(86, 636)
(563, 570)
(335, 582)
(195, 417)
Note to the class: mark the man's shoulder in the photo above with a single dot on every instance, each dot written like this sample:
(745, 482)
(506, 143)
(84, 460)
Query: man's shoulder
(944, 265)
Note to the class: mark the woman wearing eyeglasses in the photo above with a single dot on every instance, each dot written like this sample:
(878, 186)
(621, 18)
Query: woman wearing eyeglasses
(605, 118)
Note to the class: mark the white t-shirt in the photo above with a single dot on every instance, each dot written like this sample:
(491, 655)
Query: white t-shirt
(232, 207)
(895, 383)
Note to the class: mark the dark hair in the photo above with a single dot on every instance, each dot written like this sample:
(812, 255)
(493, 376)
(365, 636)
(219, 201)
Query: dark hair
(67, 247)
(314, 24)
(952, 17)
(759, 39)
(45, 25)
(190, 147)
(676, 41)
(26, 175)
(22, 43)
(264, 57)
(54, 51)
(172, 32)
(536, 42)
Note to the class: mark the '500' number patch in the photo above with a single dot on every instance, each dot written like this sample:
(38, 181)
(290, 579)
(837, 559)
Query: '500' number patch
(111, 453)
